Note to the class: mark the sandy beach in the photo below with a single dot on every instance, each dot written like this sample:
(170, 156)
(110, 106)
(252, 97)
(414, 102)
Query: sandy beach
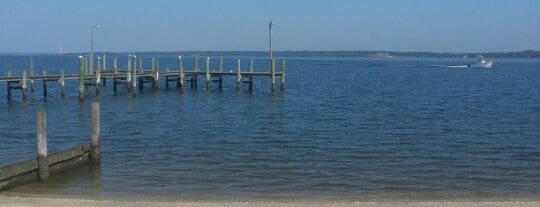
(48, 201)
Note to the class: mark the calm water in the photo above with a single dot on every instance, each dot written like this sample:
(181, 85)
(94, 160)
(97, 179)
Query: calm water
(344, 129)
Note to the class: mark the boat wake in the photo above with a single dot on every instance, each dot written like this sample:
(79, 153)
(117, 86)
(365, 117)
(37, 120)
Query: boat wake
(438, 66)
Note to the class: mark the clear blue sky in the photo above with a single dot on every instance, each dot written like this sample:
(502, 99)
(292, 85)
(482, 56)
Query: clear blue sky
(176, 25)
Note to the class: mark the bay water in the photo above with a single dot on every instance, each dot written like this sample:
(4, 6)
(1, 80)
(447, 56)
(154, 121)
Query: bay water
(343, 129)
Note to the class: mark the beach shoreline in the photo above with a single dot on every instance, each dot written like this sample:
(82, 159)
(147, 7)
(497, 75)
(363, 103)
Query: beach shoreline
(27, 201)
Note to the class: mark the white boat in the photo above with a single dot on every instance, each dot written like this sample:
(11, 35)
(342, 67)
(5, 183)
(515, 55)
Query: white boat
(482, 63)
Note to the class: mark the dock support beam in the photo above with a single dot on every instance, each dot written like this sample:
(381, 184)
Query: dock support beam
(41, 128)
(180, 81)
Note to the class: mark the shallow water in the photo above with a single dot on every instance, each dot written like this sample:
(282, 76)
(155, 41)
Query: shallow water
(344, 128)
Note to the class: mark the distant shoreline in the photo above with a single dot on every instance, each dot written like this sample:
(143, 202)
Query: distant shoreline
(351, 54)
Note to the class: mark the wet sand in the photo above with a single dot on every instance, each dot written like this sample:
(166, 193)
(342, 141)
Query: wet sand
(49, 201)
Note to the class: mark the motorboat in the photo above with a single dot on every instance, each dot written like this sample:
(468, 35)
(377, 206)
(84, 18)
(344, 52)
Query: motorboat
(481, 62)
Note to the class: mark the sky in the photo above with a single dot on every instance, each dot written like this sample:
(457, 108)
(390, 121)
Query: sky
(48, 26)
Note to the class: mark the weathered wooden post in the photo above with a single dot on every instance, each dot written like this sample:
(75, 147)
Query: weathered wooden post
(251, 77)
(272, 73)
(23, 85)
(41, 129)
(95, 152)
(153, 64)
(196, 63)
(220, 71)
(180, 81)
(31, 74)
(220, 65)
(156, 77)
(82, 64)
(98, 74)
(99, 63)
(282, 74)
(251, 65)
(104, 68)
(134, 80)
(8, 85)
(128, 74)
(62, 83)
(115, 65)
(238, 75)
(141, 70)
(208, 73)
(44, 84)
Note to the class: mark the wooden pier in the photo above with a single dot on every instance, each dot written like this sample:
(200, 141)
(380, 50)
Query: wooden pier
(134, 76)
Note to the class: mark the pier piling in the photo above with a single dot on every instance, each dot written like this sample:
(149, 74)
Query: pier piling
(282, 74)
(62, 83)
(95, 151)
(31, 74)
(238, 75)
(272, 73)
(207, 73)
(41, 128)
(23, 85)
(82, 65)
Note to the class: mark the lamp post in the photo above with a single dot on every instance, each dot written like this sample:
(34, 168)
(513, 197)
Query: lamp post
(94, 28)
(270, 36)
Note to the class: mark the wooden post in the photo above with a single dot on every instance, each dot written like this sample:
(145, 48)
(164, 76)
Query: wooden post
(82, 64)
(134, 80)
(196, 63)
(207, 73)
(220, 65)
(62, 83)
(220, 71)
(44, 84)
(180, 83)
(115, 65)
(95, 153)
(8, 85)
(282, 75)
(104, 68)
(31, 74)
(99, 63)
(23, 85)
(128, 74)
(140, 65)
(41, 129)
(238, 75)
(272, 73)
(98, 75)
(153, 64)
(251, 65)
(156, 77)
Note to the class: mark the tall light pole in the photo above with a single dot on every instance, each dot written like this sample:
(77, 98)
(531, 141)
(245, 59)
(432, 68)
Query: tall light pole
(270, 36)
(94, 28)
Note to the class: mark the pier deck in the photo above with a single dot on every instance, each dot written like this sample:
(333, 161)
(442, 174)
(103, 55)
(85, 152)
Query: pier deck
(90, 77)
